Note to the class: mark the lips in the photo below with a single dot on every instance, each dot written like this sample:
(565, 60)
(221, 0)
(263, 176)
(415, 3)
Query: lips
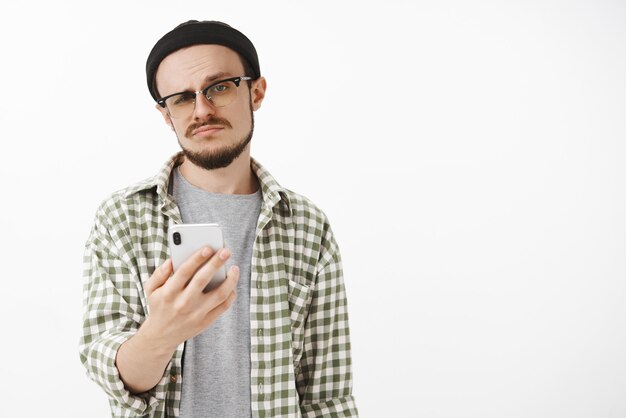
(207, 130)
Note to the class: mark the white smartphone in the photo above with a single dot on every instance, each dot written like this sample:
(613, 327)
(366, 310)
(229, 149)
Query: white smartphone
(186, 239)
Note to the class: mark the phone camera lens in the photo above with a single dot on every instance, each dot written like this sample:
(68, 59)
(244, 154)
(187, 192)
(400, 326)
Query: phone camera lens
(177, 239)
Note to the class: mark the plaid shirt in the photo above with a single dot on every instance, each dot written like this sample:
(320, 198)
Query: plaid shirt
(300, 345)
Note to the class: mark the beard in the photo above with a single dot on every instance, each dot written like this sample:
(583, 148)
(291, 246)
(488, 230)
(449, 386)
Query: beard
(219, 158)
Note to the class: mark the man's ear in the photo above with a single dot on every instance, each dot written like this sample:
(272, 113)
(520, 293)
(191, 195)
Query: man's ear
(165, 115)
(257, 92)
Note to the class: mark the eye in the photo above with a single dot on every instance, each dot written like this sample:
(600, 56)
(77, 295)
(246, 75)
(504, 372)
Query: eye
(183, 98)
(219, 88)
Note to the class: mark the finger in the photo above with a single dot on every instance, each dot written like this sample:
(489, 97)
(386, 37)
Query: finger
(204, 275)
(186, 270)
(222, 292)
(220, 309)
(159, 276)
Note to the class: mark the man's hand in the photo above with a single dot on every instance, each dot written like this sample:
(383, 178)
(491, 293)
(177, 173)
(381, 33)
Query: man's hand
(179, 310)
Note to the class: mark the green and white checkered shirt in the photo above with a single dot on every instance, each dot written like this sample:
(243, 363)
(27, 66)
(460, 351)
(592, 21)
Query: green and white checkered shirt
(300, 345)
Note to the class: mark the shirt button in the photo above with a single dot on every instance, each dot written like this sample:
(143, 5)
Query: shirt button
(261, 388)
(173, 378)
(258, 284)
(260, 333)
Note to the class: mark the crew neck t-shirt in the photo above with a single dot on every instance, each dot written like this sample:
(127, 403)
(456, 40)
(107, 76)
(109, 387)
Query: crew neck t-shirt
(216, 362)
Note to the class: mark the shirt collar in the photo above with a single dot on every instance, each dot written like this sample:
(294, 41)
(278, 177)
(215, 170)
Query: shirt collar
(273, 193)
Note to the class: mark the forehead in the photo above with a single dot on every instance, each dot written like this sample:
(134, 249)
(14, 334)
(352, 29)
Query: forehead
(190, 67)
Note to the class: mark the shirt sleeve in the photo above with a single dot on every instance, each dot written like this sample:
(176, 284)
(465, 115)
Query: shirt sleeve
(324, 381)
(112, 314)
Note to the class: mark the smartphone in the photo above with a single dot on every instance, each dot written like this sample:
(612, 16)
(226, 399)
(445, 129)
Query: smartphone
(186, 239)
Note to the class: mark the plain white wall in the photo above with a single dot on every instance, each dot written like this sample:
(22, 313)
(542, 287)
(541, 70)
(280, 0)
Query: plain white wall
(470, 157)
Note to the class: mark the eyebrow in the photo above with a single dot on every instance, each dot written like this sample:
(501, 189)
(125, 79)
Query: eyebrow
(208, 80)
(215, 76)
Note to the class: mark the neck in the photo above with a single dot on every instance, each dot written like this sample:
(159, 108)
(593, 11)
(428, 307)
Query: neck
(237, 178)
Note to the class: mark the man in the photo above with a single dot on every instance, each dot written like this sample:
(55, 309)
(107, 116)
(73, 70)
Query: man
(273, 338)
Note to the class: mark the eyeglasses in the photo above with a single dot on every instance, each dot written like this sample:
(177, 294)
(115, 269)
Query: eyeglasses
(220, 94)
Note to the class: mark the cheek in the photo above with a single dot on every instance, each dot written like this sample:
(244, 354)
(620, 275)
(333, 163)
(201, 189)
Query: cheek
(179, 126)
(243, 112)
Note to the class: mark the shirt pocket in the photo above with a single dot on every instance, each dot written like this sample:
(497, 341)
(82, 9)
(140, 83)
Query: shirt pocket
(299, 298)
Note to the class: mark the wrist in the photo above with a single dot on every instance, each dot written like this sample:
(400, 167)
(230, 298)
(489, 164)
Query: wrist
(150, 338)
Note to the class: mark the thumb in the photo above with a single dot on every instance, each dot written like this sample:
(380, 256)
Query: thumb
(159, 277)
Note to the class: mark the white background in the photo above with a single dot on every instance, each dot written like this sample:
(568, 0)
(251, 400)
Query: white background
(470, 157)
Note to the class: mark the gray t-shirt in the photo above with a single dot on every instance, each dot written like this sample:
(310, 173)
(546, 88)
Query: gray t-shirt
(216, 363)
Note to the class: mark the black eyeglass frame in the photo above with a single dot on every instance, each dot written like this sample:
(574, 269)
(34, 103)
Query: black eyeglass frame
(204, 91)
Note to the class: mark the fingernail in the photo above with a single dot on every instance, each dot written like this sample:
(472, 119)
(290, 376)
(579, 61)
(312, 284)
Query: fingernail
(224, 254)
(206, 252)
(235, 269)
(165, 265)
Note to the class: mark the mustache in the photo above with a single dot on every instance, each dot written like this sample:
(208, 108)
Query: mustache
(212, 120)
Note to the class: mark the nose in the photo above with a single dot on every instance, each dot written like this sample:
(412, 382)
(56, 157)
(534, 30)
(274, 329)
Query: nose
(203, 107)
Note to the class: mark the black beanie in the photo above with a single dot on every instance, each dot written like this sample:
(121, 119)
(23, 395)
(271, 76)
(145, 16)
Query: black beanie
(194, 32)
